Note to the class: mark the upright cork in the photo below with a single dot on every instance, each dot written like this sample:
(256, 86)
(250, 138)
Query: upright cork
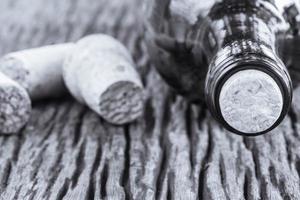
(100, 73)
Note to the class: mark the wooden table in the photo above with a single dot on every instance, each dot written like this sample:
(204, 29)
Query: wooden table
(175, 151)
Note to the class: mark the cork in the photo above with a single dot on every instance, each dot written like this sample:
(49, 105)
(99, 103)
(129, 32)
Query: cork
(15, 106)
(100, 73)
(251, 101)
(38, 70)
(29, 75)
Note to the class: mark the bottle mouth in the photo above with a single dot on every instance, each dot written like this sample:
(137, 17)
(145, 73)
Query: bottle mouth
(249, 96)
(250, 101)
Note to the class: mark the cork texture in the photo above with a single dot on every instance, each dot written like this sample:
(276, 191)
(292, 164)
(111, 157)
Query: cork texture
(250, 101)
(15, 106)
(122, 103)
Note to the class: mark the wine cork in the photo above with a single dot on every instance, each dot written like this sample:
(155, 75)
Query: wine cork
(38, 70)
(100, 73)
(29, 75)
(15, 106)
(251, 101)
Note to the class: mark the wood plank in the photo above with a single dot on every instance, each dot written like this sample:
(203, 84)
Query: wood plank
(175, 151)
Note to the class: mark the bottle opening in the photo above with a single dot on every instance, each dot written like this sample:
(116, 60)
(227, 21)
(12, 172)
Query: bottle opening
(250, 101)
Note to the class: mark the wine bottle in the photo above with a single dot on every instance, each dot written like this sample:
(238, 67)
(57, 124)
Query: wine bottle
(226, 53)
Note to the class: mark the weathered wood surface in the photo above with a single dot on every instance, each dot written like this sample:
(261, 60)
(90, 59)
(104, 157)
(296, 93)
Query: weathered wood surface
(176, 151)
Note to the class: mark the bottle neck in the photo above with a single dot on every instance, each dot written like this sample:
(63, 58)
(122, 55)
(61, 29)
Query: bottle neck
(242, 25)
(242, 36)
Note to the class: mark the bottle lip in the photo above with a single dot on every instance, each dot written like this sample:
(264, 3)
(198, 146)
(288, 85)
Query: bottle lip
(264, 64)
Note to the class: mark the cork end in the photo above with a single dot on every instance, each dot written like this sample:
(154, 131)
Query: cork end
(15, 108)
(122, 103)
(251, 101)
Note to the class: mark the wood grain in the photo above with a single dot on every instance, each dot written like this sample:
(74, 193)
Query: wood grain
(175, 151)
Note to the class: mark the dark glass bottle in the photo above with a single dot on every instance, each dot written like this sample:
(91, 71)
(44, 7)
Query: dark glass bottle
(226, 53)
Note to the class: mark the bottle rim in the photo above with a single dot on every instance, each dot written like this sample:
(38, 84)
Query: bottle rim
(232, 66)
